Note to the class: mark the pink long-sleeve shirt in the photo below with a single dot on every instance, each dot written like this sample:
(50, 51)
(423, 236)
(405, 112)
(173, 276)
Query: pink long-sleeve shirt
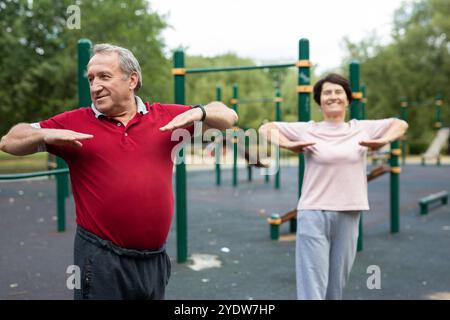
(335, 174)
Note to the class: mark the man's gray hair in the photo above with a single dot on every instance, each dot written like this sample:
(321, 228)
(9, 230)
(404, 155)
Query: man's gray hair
(127, 61)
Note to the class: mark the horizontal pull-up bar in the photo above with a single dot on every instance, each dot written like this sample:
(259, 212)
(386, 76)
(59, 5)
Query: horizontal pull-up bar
(27, 175)
(266, 66)
(261, 100)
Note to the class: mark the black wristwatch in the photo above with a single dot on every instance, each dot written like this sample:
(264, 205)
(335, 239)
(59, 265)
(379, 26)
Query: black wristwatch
(203, 111)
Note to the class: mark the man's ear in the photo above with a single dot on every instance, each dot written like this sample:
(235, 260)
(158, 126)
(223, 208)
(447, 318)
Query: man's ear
(134, 78)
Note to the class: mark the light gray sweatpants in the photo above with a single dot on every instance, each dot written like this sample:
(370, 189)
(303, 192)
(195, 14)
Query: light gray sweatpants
(325, 252)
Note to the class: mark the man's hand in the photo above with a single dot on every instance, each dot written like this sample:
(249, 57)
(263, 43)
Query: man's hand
(296, 146)
(65, 137)
(374, 144)
(183, 120)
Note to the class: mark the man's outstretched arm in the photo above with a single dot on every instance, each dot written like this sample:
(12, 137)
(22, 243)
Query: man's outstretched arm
(24, 139)
(217, 116)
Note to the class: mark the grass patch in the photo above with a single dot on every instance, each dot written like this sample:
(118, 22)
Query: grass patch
(30, 163)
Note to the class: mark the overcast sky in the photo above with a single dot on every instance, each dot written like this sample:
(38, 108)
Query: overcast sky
(269, 30)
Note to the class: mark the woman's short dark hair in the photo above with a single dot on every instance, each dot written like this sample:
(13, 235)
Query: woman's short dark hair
(336, 79)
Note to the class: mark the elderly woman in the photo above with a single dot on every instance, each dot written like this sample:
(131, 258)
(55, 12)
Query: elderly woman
(334, 191)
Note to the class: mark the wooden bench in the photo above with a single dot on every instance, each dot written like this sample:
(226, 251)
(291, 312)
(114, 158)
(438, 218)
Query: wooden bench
(425, 201)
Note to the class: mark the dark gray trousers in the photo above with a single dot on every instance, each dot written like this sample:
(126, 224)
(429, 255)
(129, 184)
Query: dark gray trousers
(114, 273)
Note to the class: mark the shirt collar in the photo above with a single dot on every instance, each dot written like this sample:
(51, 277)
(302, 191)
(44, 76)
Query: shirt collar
(140, 107)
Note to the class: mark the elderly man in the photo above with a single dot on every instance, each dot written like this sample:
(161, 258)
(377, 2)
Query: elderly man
(119, 155)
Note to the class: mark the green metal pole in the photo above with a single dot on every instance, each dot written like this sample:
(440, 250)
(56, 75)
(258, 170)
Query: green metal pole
(278, 101)
(304, 90)
(218, 154)
(61, 202)
(84, 55)
(438, 123)
(180, 174)
(356, 113)
(275, 221)
(438, 110)
(363, 102)
(404, 116)
(249, 167)
(395, 187)
(355, 107)
(63, 180)
(234, 103)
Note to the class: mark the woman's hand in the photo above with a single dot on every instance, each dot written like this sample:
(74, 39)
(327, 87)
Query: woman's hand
(296, 146)
(374, 144)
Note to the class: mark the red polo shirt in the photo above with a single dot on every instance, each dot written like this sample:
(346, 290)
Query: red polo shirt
(122, 178)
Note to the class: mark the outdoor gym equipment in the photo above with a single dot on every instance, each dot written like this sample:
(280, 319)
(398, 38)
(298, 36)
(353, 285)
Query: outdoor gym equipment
(244, 152)
(179, 72)
(432, 198)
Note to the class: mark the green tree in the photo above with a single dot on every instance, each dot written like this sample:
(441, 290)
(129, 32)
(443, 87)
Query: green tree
(38, 52)
(415, 65)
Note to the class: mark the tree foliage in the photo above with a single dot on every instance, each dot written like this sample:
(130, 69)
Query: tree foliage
(38, 61)
(38, 55)
(415, 65)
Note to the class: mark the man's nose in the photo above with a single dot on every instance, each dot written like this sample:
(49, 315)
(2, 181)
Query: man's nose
(95, 86)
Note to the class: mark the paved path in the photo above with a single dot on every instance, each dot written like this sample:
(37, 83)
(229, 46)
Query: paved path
(230, 224)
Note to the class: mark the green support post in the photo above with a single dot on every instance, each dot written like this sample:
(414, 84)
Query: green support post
(304, 90)
(266, 176)
(249, 167)
(355, 113)
(355, 107)
(278, 101)
(438, 111)
(234, 103)
(274, 222)
(438, 123)
(218, 154)
(404, 116)
(84, 55)
(363, 102)
(395, 187)
(61, 201)
(180, 189)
